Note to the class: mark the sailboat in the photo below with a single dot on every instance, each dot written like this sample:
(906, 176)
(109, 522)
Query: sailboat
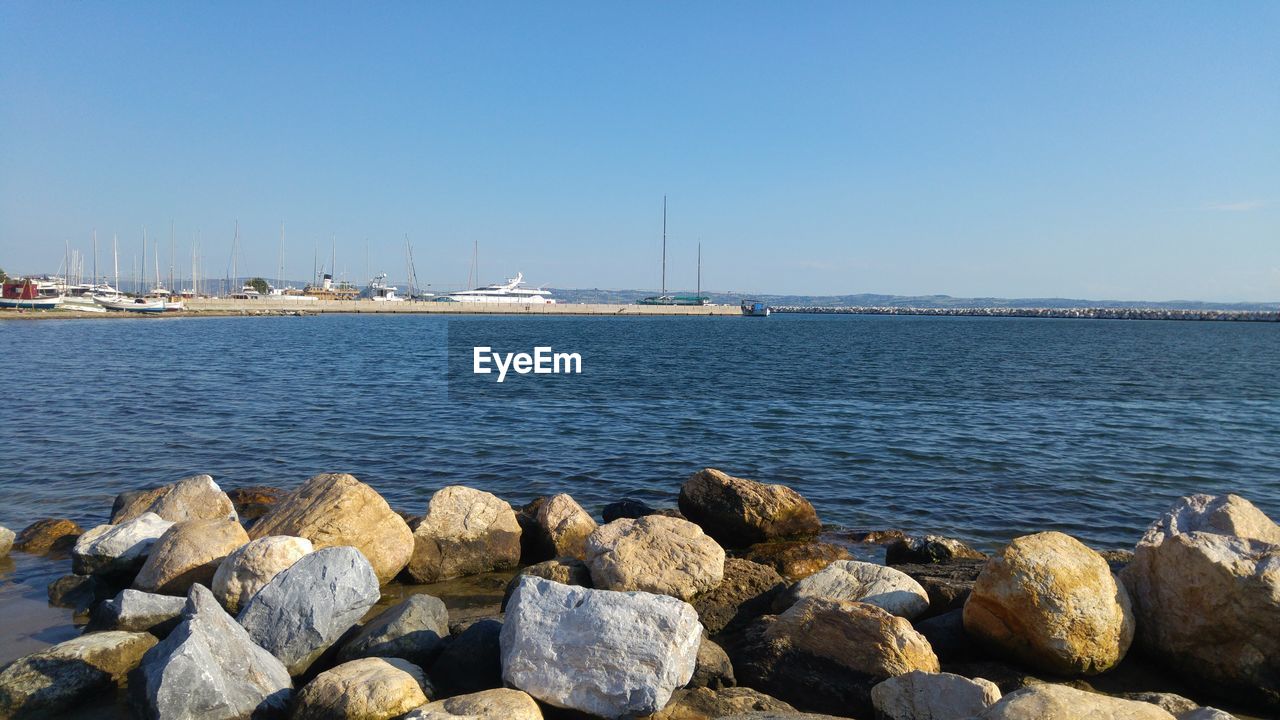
(664, 298)
(117, 301)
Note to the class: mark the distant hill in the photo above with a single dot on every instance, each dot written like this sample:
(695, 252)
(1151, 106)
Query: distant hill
(596, 295)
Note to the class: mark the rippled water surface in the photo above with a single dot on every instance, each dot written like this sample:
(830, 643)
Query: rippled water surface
(981, 428)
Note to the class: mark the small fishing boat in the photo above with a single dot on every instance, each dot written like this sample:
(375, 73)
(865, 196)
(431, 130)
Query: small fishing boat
(754, 308)
(25, 294)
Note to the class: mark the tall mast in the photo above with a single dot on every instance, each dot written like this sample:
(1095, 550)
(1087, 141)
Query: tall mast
(95, 257)
(156, 254)
(280, 274)
(115, 260)
(235, 246)
(699, 293)
(173, 250)
(143, 275)
(333, 257)
(664, 244)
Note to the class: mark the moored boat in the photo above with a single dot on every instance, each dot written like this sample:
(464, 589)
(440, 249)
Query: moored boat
(25, 294)
(754, 308)
(137, 305)
(508, 292)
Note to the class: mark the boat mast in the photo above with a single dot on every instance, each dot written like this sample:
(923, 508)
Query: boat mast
(699, 293)
(413, 273)
(115, 260)
(333, 258)
(664, 245)
(173, 250)
(95, 257)
(280, 273)
(143, 275)
(235, 245)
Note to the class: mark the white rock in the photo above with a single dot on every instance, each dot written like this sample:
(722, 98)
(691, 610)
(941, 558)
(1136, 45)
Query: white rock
(884, 587)
(932, 696)
(6, 540)
(119, 548)
(1059, 702)
(608, 653)
(253, 565)
(499, 704)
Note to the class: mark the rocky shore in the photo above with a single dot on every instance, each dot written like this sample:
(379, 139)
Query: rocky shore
(269, 603)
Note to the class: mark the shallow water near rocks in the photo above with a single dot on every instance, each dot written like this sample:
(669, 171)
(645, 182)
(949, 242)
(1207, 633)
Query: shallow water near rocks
(980, 428)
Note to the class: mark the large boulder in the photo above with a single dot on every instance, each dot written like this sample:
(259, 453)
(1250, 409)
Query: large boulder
(496, 704)
(117, 549)
(825, 655)
(413, 630)
(560, 528)
(196, 497)
(608, 653)
(948, 584)
(796, 559)
(1059, 702)
(713, 669)
(932, 696)
(6, 540)
(253, 502)
(465, 532)
(738, 512)
(188, 553)
(364, 689)
(46, 683)
(48, 535)
(746, 592)
(1052, 603)
(654, 554)
(1229, 515)
(209, 668)
(253, 565)
(865, 582)
(471, 660)
(307, 608)
(137, 611)
(335, 509)
(1208, 606)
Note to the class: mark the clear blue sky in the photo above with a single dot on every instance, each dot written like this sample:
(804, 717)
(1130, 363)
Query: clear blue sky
(1086, 149)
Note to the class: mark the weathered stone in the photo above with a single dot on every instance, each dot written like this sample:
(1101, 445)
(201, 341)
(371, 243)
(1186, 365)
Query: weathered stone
(77, 592)
(629, 508)
(779, 716)
(414, 630)
(1229, 515)
(932, 696)
(48, 535)
(1198, 585)
(947, 584)
(1059, 702)
(138, 611)
(334, 510)
(864, 582)
(608, 653)
(796, 559)
(739, 512)
(252, 502)
(1005, 676)
(947, 637)
(746, 592)
(1052, 603)
(251, 566)
(364, 689)
(1169, 702)
(654, 554)
(471, 660)
(465, 532)
(118, 549)
(561, 528)
(305, 609)
(196, 497)
(929, 549)
(825, 655)
(209, 669)
(702, 703)
(188, 553)
(1206, 713)
(566, 571)
(6, 540)
(713, 668)
(496, 704)
(46, 683)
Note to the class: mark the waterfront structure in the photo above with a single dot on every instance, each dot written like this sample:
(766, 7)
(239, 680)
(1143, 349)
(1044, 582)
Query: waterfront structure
(508, 292)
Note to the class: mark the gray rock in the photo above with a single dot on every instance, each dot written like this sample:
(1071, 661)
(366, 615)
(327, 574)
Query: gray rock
(1171, 703)
(6, 540)
(139, 611)
(307, 608)
(612, 654)
(118, 549)
(77, 592)
(932, 696)
(45, 683)
(471, 660)
(413, 630)
(929, 549)
(565, 570)
(1206, 713)
(209, 669)
(858, 581)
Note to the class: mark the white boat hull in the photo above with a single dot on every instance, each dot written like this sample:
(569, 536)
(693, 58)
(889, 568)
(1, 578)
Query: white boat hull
(40, 303)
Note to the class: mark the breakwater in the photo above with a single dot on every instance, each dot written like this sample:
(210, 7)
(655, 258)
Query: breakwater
(1100, 313)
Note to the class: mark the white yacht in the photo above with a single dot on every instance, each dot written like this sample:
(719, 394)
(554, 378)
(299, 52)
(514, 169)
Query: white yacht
(380, 291)
(508, 292)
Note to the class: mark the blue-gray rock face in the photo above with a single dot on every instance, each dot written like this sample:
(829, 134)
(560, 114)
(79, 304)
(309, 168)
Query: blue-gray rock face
(305, 609)
(613, 654)
(413, 630)
(139, 611)
(209, 669)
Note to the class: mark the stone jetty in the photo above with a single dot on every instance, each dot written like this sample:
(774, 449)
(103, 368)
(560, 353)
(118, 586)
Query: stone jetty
(321, 601)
